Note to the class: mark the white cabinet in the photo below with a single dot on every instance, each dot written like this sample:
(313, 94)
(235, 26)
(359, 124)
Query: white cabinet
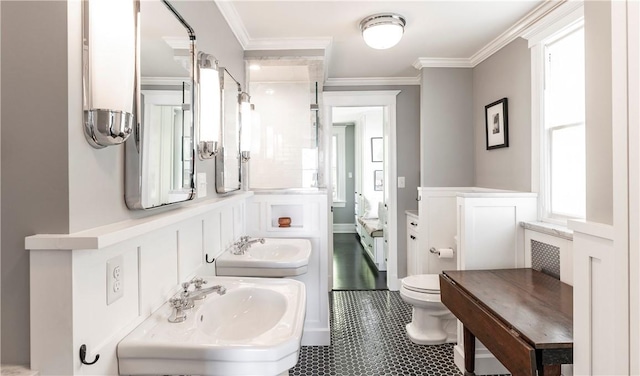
(413, 261)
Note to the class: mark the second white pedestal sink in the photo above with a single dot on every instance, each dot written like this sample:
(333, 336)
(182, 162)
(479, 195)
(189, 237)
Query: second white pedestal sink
(277, 257)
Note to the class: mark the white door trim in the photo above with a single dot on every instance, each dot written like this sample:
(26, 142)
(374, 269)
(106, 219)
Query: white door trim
(386, 99)
(627, 55)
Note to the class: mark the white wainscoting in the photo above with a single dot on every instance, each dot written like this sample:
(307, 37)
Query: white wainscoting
(68, 285)
(490, 237)
(486, 224)
(308, 213)
(600, 302)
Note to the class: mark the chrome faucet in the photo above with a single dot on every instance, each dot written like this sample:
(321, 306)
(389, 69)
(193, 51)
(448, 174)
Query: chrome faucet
(187, 298)
(242, 245)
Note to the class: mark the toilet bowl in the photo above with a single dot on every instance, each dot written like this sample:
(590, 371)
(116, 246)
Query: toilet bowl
(431, 322)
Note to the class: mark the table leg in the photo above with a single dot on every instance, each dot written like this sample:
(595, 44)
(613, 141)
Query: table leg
(549, 370)
(469, 352)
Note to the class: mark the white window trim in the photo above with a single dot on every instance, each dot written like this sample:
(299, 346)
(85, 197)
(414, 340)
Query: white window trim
(570, 16)
(340, 132)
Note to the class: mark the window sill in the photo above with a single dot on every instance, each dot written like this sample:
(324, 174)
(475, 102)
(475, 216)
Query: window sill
(339, 204)
(549, 229)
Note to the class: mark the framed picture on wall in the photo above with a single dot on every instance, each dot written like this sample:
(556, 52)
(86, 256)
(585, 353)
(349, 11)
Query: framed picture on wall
(496, 122)
(377, 149)
(378, 180)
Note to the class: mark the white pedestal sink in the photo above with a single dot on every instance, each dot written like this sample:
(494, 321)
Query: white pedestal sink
(255, 328)
(277, 257)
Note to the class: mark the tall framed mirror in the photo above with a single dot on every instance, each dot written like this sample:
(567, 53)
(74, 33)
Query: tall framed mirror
(228, 158)
(160, 156)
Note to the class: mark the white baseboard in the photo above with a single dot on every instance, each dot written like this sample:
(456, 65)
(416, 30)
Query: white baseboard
(316, 337)
(344, 228)
(486, 363)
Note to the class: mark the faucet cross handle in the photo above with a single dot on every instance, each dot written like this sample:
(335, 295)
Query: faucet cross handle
(178, 303)
(198, 282)
(244, 239)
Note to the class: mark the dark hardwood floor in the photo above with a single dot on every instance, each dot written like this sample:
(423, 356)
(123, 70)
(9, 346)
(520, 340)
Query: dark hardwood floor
(352, 270)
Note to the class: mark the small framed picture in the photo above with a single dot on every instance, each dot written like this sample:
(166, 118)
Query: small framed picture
(377, 149)
(496, 122)
(378, 180)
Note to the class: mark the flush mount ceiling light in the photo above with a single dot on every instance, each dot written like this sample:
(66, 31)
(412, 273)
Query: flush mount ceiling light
(383, 30)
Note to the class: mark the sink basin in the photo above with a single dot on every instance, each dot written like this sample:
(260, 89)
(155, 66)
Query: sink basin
(253, 329)
(277, 257)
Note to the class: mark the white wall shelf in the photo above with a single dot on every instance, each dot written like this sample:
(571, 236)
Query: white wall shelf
(105, 236)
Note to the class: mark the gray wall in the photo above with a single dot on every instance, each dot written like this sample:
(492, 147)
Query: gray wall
(347, 214)
(53, 181)
(35, 187)
(597, 21)
(507, 73)
(408, 158)
(446, 133)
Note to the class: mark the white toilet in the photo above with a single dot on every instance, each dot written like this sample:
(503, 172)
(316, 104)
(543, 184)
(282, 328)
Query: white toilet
(432, 323)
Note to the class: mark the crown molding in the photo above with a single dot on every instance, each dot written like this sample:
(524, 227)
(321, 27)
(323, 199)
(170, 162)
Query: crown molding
(232, 17)
(534, 20)
(570, 13)
(230, 14)
(373, 81)
(289, 44)
(442, 62)
(515, 31)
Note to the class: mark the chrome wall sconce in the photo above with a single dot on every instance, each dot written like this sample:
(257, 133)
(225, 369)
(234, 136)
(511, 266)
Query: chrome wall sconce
(383, 30)
(210, 100)
(109, 68)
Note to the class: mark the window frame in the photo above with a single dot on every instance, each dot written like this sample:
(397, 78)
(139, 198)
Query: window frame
(540, 149)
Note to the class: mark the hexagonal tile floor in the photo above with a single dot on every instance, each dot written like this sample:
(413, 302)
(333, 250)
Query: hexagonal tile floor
(368, 338)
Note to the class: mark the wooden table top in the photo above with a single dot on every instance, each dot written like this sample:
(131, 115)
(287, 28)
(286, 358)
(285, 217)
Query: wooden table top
(537, 306)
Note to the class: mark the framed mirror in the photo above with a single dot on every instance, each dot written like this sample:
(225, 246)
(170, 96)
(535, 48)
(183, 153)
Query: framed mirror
(159, 157)
(228, 158)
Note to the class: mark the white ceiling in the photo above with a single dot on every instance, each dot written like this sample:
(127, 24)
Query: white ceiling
(435, 29)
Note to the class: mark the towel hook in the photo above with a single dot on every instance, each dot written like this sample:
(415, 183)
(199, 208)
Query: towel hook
(83, 355)
(206, 258)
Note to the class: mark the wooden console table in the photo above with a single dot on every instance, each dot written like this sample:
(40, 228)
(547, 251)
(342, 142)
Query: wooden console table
(524, 317)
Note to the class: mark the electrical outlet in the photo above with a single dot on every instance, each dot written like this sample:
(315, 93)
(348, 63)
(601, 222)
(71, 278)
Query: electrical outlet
(400, 181)
(115, 279)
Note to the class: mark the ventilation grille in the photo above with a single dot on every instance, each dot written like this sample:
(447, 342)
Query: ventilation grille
(545, 258)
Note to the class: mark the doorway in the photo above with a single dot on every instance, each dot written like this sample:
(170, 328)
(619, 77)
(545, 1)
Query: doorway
(385, 178)
(357, 174)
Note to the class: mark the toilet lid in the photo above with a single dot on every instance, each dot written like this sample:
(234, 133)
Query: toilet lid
(428, 283)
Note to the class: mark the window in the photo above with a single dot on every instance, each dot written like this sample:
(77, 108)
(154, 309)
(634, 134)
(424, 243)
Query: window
(562, 129)
(338, 165)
